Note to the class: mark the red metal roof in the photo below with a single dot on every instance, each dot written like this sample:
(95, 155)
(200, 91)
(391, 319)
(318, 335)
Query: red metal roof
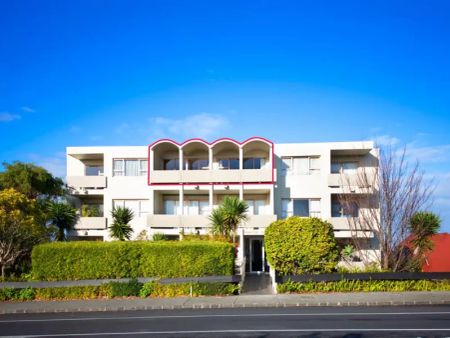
(438, 260)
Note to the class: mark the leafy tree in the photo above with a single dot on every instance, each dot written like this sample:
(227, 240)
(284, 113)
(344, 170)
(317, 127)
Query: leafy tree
(19, 231)
(62, 216)
(226, 219)
(423, 226)
(120, 228)
(30, 180)
(301, 245)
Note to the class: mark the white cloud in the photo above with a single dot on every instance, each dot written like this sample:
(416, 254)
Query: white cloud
(28, 109)
(7, 117)
(428, 154)
(203, 125)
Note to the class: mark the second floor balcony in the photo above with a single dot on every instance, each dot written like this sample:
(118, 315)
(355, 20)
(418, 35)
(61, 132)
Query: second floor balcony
(223, 161)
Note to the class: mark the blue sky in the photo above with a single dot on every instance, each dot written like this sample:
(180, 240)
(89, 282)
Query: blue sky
(128, 72)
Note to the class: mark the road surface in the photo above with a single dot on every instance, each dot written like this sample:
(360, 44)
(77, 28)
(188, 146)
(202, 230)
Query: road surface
(393, 321)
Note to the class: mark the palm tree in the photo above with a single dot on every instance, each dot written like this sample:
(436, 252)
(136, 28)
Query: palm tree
(423, 226)
(120, 228)
(63, 217)
(218, 223)
(229, 215)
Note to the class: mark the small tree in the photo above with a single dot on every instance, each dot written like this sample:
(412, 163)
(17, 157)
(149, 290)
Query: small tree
(19, 231)
(120, 228)
(226, 219)
(390, 193)
(62, 216)
(301, 245)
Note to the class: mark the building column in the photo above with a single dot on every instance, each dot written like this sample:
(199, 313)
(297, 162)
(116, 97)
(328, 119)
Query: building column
(181, 200)
(180, 159)
(241, 245)
(241, 192)
(210, 153)
(211, 197)
(272, 200)
(241, 158)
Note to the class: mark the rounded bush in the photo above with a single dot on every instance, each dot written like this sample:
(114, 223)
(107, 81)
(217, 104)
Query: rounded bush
(301, 245)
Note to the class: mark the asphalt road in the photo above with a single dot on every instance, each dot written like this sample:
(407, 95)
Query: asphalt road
(350, 322)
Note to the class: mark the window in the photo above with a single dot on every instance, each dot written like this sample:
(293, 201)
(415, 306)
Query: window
(300, 207)
(339, 210)
(139, 207)
(129, 167)
(229, 163)
(172, 164)
(196, 207)
(171, 207)
(256, 207)
(253, 163)
(94, 170)
(344, 167)
(197, 164)
(300, 165)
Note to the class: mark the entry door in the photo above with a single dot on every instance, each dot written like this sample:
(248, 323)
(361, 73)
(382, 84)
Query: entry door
(257, 255)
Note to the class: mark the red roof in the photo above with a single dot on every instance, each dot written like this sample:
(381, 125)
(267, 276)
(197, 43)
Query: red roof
(438, 260)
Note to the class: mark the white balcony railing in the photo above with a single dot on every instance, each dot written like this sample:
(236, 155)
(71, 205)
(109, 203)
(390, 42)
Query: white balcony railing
(86, 182)
(202, 221)
(91, 223)
(207, 176)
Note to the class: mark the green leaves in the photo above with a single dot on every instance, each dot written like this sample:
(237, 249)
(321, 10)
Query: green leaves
(226, 218)
(301, 245)
(120, 228)
(423, 226)
(63, 217)
(97, 260)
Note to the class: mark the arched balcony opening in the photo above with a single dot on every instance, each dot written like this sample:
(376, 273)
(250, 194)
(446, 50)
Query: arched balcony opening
(195, 156)
(257, 154)
(166, 156)
(225, 156)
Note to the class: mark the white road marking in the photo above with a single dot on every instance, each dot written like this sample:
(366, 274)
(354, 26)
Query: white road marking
(340, 314)
(228, 331)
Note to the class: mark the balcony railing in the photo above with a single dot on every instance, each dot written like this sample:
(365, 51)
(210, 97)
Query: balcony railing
(343, 228)
(207, 176)
(91, 223)
(350, 180)
(202, 221)
(86, 182)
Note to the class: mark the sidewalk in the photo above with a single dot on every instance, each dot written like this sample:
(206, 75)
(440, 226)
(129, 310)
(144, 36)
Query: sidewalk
(281, 300)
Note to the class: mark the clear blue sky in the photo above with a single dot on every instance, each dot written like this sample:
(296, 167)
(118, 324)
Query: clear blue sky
(127, 72)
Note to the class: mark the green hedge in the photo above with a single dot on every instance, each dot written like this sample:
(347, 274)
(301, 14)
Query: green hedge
(365, 286)
(298, 245)
(97, 260)
(131, 288)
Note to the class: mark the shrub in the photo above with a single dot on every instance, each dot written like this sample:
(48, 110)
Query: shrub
(301, 245)
(155, 289)
(127, 289)
(72, 292)
(158, 236)
(365, 286)
(97, 260)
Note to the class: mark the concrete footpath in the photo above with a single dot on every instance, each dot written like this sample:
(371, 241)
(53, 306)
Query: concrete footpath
(242, 301)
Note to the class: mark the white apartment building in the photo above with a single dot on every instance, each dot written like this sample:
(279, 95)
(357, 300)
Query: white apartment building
(173, 187)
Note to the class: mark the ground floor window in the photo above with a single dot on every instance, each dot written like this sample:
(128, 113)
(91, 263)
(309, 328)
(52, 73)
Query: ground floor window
(303, 207)
(139, 207)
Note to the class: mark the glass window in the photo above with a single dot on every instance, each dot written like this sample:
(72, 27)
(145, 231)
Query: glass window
(286, 208)
(172, 164)
(344, 167)
(118, 168)
(142, 167)
(224, 164)
(229, 163)
(171, 207)
(301, 208)
(234, 163)
(339, 210)
(314, 165)
(198, 164)
(94, 170)
(253, 163)
(139, 207)
(304, 165)
(314, 208)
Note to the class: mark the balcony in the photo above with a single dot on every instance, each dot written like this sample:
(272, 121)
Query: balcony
(259, 221)
(87, 182)
(342, 228)
(91, 223)
(210, 176)
(176, 221)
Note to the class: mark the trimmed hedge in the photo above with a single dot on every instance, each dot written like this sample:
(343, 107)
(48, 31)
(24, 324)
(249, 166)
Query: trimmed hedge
(365, 286)
(98, 260)
(114, 289)
(298, 245)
